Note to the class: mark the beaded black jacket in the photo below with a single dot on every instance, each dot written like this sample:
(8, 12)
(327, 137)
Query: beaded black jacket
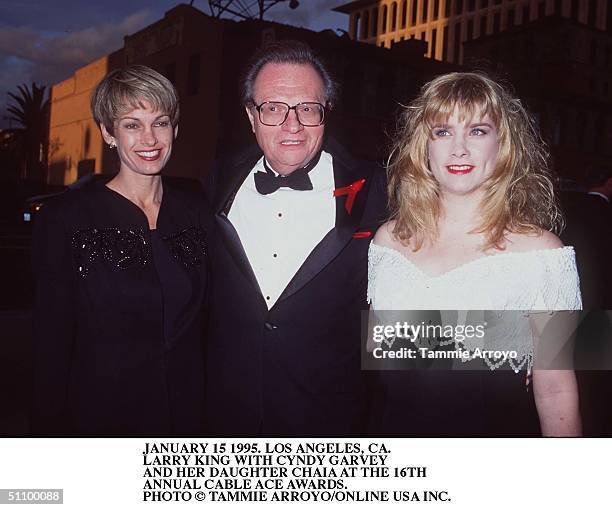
(102, 363)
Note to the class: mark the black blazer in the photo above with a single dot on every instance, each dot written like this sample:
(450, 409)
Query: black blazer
(102, 364)
(588, 229)
(293, 370)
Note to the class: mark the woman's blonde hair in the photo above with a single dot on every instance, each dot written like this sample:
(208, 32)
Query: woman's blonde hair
(123, 90)
(519, 195)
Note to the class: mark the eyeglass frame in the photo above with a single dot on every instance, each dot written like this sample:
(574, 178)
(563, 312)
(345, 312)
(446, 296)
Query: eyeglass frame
(289, 108)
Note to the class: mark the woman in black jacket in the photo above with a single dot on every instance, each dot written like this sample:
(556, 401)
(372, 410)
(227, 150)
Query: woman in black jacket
(120, 279)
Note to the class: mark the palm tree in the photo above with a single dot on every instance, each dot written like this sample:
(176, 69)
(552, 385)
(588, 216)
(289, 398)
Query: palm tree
(31, 111)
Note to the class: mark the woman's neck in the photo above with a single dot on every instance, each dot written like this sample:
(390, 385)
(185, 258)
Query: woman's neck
(460, 214)
(144, 190)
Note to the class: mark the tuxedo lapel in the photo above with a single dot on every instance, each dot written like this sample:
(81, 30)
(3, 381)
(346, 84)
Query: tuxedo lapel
(231, 178)
(346, 172)
(232, 174)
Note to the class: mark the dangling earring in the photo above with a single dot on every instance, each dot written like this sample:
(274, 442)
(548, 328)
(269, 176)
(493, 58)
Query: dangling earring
(112, 144)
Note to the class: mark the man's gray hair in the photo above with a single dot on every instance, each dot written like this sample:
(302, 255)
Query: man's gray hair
(287, 52)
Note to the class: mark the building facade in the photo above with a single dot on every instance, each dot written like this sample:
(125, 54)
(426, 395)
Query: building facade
(562, 69)
(446, 24)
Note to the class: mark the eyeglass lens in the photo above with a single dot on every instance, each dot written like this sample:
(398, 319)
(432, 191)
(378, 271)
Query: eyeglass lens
(275, 113)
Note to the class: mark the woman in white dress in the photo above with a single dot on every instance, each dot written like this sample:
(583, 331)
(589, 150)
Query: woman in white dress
(472, 216)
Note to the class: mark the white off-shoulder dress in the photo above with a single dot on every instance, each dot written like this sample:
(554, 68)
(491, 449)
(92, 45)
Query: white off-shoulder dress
(457, 403)
(532, 280)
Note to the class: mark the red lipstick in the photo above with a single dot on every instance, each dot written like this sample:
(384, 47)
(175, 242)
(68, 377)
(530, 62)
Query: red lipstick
(460, 169)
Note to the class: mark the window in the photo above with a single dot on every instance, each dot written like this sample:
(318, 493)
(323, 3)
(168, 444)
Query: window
(483, 24)
(510, 19)
(445, 43)
(496, 22)
(404, 13)
(436, 9)
(593, 12)
(471, 5)
(526, 13)
(457, 43)
(365, 25)
(558, 7)
(193, 75)
(414, 12)
(574, 10)
(383, 27)
(458, 6)
(425, 10)
(434, 36)
(394, 17)
(374, 23)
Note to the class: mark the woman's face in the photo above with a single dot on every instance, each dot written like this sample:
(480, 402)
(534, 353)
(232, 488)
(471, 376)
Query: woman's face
(463, 153)
(143, 137)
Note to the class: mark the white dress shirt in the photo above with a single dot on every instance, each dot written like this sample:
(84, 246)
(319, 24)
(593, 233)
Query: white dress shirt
(278, 231)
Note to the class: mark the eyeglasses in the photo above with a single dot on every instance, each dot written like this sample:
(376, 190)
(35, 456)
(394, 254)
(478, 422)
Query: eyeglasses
(275, 113)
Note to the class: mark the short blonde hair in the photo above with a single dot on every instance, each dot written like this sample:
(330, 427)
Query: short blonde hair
(519, 195)
(123, 90)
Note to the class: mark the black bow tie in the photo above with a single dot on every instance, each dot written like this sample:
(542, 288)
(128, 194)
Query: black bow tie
(267, 182)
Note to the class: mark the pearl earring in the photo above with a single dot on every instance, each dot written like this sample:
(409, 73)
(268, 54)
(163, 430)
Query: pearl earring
(112, 145)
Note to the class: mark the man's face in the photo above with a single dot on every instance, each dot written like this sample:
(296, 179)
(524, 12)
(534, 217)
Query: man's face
(291, 145)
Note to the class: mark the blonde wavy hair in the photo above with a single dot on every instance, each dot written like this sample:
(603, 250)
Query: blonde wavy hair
(519, 195)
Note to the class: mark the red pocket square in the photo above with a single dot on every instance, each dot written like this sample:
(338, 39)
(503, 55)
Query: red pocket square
(362, 235)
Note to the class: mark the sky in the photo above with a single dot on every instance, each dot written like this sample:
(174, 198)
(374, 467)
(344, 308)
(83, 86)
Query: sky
(45, 41)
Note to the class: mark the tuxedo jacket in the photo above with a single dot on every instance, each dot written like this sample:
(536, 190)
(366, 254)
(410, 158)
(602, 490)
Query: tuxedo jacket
(293, 370)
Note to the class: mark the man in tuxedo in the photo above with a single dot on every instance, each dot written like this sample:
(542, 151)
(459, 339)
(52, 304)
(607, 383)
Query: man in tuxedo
(293, 221)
